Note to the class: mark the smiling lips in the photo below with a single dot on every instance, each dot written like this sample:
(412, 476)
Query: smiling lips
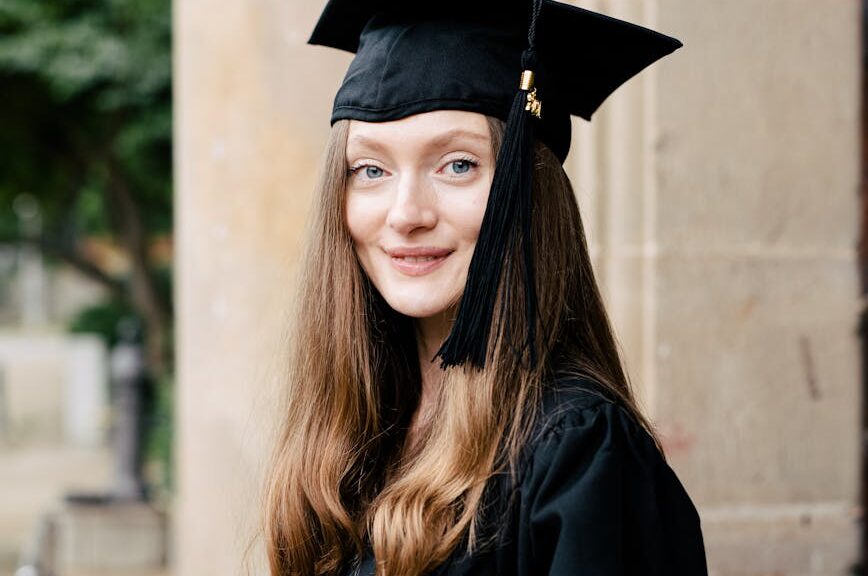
(417, 261)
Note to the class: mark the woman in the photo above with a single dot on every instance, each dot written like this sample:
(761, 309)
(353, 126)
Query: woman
(531, 458)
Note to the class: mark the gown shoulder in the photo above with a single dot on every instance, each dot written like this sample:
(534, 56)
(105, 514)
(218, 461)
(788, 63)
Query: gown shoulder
(597, 497)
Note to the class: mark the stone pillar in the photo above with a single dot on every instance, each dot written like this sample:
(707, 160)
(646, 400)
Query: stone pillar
(721, 189)
(252, 107)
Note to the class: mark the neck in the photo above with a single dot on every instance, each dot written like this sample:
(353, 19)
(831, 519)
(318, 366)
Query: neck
(430, 334)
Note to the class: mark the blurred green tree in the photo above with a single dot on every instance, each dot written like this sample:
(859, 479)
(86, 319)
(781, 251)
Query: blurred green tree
(86, 129)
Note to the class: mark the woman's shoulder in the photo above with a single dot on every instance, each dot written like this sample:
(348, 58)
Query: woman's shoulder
(581, 419)
(594, 495)
(597, 493)
(585, 432)
(574, 391)
(568, 402)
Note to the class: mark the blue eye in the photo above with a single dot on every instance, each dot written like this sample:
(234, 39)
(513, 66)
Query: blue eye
(461, 166)
(373, 171)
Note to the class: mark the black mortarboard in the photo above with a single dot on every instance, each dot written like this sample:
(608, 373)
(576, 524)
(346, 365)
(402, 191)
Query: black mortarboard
(499, 58)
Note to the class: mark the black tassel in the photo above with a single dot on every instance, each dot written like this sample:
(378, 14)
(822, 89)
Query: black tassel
(507, 221)
(505, 225)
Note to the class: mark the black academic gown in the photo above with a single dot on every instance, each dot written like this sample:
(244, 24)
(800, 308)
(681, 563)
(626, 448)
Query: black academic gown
(594, 498)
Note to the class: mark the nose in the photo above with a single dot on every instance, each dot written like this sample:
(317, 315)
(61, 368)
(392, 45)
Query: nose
(413, 206)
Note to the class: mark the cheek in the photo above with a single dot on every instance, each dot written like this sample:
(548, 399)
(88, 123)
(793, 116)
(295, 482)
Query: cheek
(466, 216)
(363, 219)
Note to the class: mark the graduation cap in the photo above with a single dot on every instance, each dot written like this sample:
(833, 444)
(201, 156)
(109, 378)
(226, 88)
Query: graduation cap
(531, 63)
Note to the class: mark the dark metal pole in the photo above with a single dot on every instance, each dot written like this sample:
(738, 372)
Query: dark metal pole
(127, 376)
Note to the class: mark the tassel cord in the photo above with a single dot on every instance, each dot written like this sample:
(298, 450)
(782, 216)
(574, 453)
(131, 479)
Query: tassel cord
(505, 230)
(508, 199)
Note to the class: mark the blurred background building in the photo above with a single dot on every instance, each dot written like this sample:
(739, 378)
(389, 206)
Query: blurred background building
(722, 191)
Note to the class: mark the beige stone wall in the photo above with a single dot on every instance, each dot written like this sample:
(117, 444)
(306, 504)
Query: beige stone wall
(757, 185)
(252, 106)
(720, 194)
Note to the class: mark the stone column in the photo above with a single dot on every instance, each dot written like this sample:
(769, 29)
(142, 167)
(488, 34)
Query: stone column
(721, 187)
(252, 108)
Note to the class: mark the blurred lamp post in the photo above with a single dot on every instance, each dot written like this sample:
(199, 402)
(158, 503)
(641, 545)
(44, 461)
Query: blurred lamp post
(126, 366)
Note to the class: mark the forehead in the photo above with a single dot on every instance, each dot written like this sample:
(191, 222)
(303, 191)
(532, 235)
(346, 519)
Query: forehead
(439, 127)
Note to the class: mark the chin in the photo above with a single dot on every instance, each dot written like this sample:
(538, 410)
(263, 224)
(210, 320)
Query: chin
(417, 305)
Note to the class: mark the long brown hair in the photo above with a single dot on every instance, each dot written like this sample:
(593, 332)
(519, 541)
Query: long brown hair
(338, 478)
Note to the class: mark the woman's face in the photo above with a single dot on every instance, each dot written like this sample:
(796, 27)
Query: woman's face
(416, 192)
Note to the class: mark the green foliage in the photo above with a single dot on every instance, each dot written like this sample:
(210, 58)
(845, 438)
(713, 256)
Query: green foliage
(102, 319)
(87, 90)
(115, 50)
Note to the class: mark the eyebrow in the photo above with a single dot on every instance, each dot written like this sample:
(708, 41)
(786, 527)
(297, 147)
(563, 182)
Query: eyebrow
(438, 142)
(455, 134)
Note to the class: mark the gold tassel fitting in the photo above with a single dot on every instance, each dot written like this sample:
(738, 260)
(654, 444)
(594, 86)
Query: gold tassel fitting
(534, 104)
